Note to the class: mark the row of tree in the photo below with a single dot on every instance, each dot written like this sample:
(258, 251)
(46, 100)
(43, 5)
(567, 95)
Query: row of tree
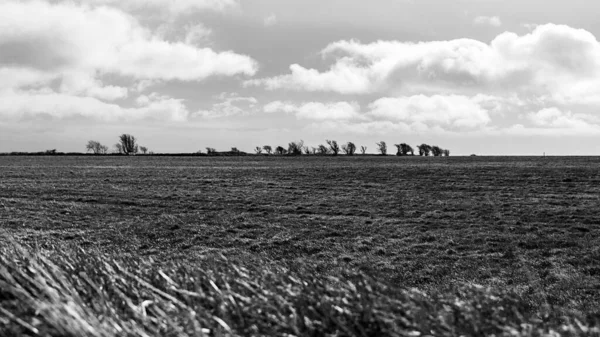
(333, 148)
(128, 145)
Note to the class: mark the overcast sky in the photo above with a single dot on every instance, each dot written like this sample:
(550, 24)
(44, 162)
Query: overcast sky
(475, 76)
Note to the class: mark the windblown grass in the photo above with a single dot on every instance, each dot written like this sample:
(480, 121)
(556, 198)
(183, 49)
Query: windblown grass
(68, 291)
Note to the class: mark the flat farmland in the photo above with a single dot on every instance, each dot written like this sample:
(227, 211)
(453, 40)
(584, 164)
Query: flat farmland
(530, 224)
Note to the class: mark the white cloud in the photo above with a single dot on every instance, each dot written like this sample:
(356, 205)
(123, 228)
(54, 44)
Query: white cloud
(488, 20)
(16, 105)
(544, 63)
(444, 111)
(270, 20)
(231, 104)
(66, 37)
(318, 110)
(555, 118)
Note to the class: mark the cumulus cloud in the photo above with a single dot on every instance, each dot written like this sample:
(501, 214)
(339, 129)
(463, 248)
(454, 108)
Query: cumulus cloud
(544, 62)
(230, 104)
(15, 105)
(71, 48)
(445, 111)
(488, 20)
(318, 110)
(270, 20)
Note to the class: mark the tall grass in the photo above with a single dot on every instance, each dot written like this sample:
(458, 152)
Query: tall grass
(68, 291)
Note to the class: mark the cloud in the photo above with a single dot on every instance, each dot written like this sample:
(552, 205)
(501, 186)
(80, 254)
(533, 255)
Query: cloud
(543, 63)
(493, 21)
(270, 20)
(445, 111)
(318, 110)
(555, 118)
(231, 104)
(52, 39)
(17, 105)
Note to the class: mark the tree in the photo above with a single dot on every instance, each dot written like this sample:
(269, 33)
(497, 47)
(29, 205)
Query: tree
(322, 150)
(446, 153)
(258, 150)
(143, 149)
(210, 151)
(424, 149)
(382, 148)
(280, 150)
(268, 149)
(313, 150)
(349, 149)
(295, 148)
(96, 147)
(235, 150)
(363, 149)
(306, 150)
(127, 144)
(333, 147)
(404, 149)
(436, 151)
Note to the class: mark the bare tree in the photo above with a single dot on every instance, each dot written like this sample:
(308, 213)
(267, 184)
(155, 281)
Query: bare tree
(363, 149)
(306, 150)
(268, 149)
(96, 147)
(295, 148)
(258, 150)
(127, 144)
(436, 151)
(143, 149)
(280, 150)
(424, 149)
(210, 151)
(333, 146)
(322, 150)
(349, 148)
(382, 148)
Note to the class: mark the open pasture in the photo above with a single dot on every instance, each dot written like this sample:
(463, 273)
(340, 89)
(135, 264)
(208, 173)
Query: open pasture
(529, 224)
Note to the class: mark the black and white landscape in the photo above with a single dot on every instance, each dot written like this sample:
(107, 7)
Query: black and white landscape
(299, 168)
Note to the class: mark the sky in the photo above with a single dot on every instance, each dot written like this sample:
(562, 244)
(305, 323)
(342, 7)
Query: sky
(490, 77)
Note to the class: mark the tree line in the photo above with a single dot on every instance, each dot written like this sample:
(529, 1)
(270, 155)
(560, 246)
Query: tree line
(128, 145)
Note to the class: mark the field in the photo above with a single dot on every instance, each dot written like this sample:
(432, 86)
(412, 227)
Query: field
(521, 227)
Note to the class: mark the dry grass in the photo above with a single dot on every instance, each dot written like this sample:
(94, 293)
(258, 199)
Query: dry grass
(68, 291)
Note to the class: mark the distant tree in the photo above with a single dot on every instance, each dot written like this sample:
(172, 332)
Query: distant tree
(280, 150)
(424, 149)
(333, 147)
(437, 151)
(210, 151)
(363, 149)
(446, 153)
(295, 148)
(349, 149)
(322, 150)
(96, 147)
(235, 150)
(306, 150)
(314, 150)
(127, 144)
(268, 149)
(404, 149)
(258, 150)
(53, 151)
(382, 148)
(143, 149)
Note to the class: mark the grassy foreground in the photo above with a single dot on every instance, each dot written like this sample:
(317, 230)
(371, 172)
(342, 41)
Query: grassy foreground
(64, 290)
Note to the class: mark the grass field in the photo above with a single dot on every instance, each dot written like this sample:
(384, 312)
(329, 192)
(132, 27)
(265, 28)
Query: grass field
(419, 234)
